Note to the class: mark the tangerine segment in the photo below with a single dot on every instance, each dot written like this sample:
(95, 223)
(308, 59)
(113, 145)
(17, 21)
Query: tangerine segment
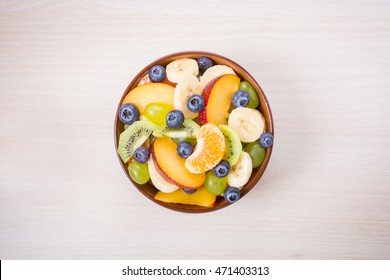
(209, 151)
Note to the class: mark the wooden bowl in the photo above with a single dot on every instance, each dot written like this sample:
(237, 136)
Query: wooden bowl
(148, 189)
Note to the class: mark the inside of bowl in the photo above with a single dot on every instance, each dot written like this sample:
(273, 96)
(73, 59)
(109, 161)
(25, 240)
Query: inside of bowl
(148, 189)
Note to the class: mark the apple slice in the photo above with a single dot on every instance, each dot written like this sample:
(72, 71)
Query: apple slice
(171, 166)
(218, 98)
(159, 181)
(146, 80)
(201, 197)
(150, 93)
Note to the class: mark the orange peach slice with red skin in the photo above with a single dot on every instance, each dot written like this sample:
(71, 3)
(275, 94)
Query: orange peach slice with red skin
(202, 116)
(201, 197)
(171, 166)
(218, 98)
(150, 93)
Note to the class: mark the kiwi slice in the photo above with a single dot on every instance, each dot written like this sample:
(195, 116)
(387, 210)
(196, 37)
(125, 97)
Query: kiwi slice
(233, 144)
(189, 129)
(133, 137)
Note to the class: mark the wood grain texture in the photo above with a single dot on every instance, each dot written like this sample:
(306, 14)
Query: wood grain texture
(324, 66)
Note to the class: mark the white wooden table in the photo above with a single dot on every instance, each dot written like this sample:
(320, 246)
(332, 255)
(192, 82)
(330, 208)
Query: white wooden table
(324, 66)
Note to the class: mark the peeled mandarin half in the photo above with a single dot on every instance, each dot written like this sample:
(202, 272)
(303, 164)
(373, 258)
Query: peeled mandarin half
(209, 151)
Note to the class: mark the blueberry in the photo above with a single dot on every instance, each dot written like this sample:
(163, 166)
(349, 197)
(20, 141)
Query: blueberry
(222, 169)
(204, 63)
(189, 191)
(128, 113)
(175, 119)
(141, 154)
(266, 140)
(240, 98)
(195, 103)
(157, 73)
(232, 194)
(184, 149)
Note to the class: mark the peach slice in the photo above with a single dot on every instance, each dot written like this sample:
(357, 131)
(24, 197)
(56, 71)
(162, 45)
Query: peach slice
(202, 116)
(201, 197)
(150, 93)
(171, 166)
(218, 98)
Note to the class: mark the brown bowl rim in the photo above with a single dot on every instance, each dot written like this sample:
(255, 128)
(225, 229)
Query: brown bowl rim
(253, 181)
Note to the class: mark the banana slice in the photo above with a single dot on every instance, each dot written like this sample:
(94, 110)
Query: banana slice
(158, 181)
(241, 172)
(178, 69)
(214, 72)
(248, 123)
(187, 87)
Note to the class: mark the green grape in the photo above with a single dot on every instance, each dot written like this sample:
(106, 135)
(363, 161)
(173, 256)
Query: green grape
(214, 185)
(157, 112)
(253, 97)
(139, 172)
(256, 152)
(192, 141)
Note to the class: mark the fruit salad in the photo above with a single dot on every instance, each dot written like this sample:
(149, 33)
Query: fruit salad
(193, 129)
